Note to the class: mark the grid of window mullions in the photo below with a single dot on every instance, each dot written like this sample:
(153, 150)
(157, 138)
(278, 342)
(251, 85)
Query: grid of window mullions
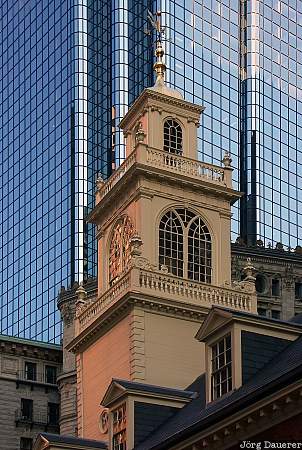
(172, 137)
(171, 244)
(221, 367)
(185, 250)
(199, 252)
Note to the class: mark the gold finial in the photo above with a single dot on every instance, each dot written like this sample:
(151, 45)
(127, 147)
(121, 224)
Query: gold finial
(159, 66)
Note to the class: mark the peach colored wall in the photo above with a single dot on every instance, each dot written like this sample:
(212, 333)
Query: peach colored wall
(105, 359)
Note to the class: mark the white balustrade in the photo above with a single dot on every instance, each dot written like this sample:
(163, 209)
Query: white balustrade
(167, 287)
(166, 161)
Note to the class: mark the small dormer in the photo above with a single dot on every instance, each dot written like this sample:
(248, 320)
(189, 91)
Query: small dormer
(134, 410)
(238, 345)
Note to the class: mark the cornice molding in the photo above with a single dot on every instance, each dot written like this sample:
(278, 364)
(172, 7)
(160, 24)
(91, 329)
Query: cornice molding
(249, 422)
(139, 107)
(160, 176)
(30, 351)
(122, 308)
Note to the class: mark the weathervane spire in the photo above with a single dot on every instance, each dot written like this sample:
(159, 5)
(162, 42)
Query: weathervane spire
(159, 66)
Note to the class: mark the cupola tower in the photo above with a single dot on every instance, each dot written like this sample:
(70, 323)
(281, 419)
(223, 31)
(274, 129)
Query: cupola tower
(163, 230)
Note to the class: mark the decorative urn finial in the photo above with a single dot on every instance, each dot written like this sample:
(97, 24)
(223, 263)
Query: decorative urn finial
(99, 182)
(140, 134)
(249, 271)
(227, 160)
(82, 295)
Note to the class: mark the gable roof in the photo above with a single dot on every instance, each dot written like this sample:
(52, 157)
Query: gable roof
(118, 387)
(297, 319)
(219, 316)
(282, 370)
(75, 442)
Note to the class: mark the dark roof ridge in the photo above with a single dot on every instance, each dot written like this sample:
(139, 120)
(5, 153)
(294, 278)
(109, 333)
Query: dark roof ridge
(68, 439)
(155, 387)
(254, 389)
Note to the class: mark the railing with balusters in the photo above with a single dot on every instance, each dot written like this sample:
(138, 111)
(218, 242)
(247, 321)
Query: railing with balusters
(171, 162)
(167, 287)
(185, 166)
(203, 294)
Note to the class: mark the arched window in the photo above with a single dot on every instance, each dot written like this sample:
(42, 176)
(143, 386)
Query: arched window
(119, 251)
(172, 137)
(185, 245)
(199, 252)
(171, 243)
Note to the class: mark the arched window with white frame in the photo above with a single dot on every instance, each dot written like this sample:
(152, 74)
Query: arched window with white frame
(199, 252)
(185, 245)
(173, 137)
(171, 243)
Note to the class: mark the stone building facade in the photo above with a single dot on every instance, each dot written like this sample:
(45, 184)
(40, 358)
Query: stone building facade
(67, 381)
(29, 397)
(278, 274)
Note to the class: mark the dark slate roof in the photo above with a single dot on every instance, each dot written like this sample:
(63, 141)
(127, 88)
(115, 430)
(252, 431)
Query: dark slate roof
(149, 388)
(297, 319)
(72, 440)
(248, 315)
(282, 370)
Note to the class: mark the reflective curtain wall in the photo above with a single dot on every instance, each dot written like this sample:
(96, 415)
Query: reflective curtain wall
(271, 144)
(35, 152)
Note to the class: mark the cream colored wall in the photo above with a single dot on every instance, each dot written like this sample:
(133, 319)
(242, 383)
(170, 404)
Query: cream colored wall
(172, 356)
(212, 210)
(152, 113)
(145, 213)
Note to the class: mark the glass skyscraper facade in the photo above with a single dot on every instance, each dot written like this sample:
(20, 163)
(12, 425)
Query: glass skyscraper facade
(69, 70)
(49, 157)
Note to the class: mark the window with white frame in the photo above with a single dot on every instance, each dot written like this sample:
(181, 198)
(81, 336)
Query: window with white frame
(172, 137)
(185, 245)
(221, 376)
(119, 428)
(171, 243)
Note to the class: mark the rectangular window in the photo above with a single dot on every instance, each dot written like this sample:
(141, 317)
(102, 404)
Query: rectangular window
(221, 367)
(298, 290)
(275, 314)
(53, 413)
(119, 428)
(262, 312)
(30, 371)
(50, 374)
(275, 287)
(26, 409)
(26, 443)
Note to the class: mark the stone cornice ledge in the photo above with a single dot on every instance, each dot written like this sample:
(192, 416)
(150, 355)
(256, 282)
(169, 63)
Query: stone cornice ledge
(157, 96)
(120, 309)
